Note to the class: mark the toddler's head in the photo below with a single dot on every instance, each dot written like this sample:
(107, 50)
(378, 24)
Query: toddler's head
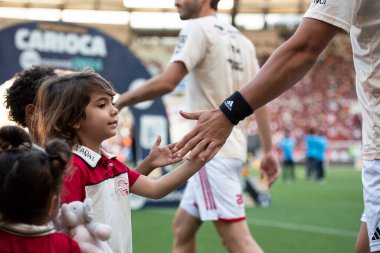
(30, 178)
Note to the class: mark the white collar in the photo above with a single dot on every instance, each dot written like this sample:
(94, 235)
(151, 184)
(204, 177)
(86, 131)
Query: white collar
(27, 229)
(89, 156)
(35, 146)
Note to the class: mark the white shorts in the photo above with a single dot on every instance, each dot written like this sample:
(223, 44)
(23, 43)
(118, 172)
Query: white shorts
(215, 192)
(371, 194)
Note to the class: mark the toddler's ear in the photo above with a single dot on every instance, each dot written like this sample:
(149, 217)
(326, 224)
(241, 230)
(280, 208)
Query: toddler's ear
(29, 109)
(29, 113)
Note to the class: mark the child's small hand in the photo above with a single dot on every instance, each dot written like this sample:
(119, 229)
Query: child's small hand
(162, 156)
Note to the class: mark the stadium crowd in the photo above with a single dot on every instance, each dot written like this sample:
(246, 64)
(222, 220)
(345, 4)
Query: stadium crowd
(324, 99)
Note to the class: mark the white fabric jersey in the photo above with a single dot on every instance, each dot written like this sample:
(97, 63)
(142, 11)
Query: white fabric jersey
(219, 60)
(362, 19)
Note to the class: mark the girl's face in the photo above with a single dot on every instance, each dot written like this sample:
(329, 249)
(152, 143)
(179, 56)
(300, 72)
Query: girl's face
(100, 122)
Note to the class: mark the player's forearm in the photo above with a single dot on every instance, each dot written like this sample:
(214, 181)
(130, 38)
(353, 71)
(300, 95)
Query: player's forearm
(152, 89)
(289, 63)
(281, 71)
(264, 127)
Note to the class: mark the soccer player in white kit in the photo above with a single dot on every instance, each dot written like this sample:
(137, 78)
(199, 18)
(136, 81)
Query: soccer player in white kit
(216, 60)
(289, 63)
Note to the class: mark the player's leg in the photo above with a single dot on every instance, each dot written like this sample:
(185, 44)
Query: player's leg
(362, 242)
(236, 237)
(285, 169)
(185, 227)
(223, 177)
(292, 169)
(186, 221)
(371, 216)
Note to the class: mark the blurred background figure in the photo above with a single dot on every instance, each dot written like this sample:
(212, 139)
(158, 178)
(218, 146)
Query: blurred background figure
(311, 140)
(287, 145)
(321, 147)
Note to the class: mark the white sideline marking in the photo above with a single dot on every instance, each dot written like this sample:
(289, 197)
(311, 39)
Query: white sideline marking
(306, 228)
(283, 225)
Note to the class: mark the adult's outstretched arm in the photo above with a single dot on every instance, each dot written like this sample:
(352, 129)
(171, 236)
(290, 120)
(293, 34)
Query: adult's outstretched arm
(155, 87)
(286, 66)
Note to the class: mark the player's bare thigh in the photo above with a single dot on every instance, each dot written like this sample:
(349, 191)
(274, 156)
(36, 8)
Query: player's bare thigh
(236, 237)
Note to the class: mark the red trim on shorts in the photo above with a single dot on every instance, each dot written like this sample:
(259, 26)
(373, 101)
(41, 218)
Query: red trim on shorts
(203, 190)
(206, 189)
(231, 220)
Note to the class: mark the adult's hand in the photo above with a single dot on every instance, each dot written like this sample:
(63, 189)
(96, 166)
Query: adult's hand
(207, 137)
(269, 167)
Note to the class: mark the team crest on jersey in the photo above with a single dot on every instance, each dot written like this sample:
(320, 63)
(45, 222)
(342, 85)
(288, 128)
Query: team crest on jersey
(180, 42)
(121, 187)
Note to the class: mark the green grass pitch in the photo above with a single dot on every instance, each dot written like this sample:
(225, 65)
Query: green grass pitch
(305, 216)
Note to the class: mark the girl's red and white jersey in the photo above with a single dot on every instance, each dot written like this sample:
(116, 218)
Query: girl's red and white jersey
(107, 182)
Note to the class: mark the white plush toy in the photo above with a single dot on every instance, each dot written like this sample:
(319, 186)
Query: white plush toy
(77, 219)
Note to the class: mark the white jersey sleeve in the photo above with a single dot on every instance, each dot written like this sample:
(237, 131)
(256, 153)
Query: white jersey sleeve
(191, 45)
(340, 13)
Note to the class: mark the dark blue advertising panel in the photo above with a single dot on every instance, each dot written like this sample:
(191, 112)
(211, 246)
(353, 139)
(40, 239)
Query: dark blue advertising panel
(73, 47)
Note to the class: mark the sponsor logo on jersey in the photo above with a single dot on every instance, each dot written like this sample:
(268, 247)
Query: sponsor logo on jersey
(319, 1)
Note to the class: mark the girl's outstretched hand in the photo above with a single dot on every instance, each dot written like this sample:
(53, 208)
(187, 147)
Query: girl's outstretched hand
(162, 156)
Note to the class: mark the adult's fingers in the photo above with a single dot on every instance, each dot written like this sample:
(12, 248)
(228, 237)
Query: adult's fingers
(190, 115)
(191, 134)
(210, 152)
(171, 146)
(175, 159)
(189, 145)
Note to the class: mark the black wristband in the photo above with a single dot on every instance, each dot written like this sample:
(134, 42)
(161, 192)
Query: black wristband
(235, 108)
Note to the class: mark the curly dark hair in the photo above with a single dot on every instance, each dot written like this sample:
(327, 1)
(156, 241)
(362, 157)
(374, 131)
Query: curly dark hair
(23, 91)
(214, 4)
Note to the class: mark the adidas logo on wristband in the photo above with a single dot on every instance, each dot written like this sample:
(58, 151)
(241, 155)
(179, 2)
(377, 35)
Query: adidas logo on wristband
(228, 104)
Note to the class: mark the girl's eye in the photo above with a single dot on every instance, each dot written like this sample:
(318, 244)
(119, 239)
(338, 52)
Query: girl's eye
(102, 105)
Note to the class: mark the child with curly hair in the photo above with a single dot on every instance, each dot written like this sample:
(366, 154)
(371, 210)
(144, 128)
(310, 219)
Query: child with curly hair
(20, 97)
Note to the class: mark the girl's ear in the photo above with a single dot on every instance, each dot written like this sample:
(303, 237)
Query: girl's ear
(76, 126)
